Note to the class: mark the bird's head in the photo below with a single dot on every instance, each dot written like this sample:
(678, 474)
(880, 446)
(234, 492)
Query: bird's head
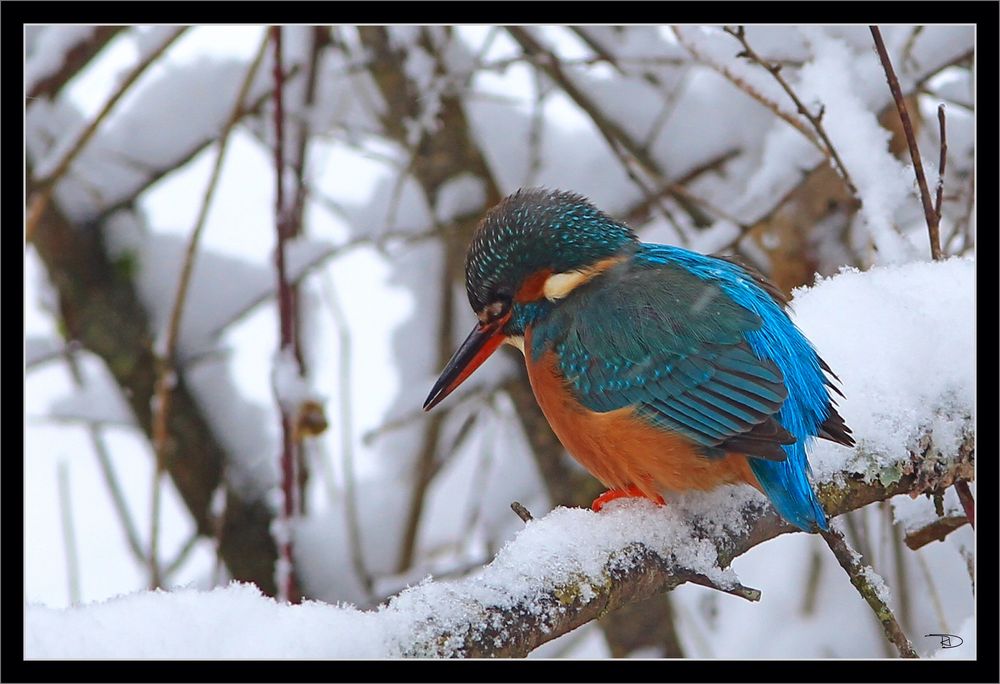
(528, 252)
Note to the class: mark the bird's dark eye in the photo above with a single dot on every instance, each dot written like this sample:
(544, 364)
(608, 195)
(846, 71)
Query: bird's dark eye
(494, 310)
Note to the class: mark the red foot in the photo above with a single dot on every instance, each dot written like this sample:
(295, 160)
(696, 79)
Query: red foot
(612, 494)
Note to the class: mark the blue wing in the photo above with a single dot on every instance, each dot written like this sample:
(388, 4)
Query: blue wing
(673, 346)
(702, 346)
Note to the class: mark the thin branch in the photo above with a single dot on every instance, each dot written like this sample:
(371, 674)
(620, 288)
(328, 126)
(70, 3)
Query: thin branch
(749, 90)
(156, 173)
(858, 531)
(932, 590)
(627, 150)
(935, 531)
(942, 161)
(816, 120)
(45, 186)
(287, 588)
(966, 56)
(69, 533)
(635, 213)
(812, 583)
(117, 497)
(870, 589)
(968, 503)
(319, 38)
(448, 151)
(182, 555)
(911, 141)
(166, 369)
(902, 583)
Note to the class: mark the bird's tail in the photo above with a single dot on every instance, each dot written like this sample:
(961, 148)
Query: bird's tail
(788, 488)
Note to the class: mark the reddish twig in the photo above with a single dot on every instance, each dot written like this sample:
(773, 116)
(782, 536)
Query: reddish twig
(943, 160)
(968, 503)
(911, 141)
(287, 589)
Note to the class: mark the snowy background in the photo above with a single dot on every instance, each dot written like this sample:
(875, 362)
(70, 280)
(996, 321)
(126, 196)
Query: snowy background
(409, 133)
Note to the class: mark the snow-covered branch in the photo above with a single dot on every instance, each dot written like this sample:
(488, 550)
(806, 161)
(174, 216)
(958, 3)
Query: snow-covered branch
(560, 572)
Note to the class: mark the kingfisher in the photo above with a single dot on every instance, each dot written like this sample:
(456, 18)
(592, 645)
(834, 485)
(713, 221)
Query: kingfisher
(658, 368)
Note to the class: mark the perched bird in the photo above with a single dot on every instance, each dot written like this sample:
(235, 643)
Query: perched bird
(659, 369)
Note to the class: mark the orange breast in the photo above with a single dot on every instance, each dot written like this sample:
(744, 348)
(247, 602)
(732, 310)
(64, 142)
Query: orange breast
(621, 449)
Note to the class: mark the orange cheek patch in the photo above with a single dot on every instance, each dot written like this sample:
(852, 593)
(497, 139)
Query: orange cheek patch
(533, 287)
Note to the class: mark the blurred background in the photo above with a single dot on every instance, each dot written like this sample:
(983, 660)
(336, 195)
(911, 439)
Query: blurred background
(198, 409)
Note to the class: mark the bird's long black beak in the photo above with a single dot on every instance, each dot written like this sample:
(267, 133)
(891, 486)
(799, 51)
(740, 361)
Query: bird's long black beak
(478, 346)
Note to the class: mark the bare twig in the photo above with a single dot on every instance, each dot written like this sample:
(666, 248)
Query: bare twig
(902, 584)
(857, 528)
(943, 160)
(869, 588)
(117, 497)
(287, 587)
(182, 555)
(155, 173)
(813, 581)
(45, 186)
(911, 141)
(749, 90)
(911, 40)
(166, 362)
(935, 531)
(966, 56)
(968, 503)
(636, 213)
(523, 513)
(69, 533)
(816, 120)
(738, 590)
(629, 152)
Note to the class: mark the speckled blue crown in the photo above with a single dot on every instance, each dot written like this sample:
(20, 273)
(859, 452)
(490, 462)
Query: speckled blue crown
(533, 229)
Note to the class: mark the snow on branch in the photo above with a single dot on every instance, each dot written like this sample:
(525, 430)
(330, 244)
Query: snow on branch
(559, 572)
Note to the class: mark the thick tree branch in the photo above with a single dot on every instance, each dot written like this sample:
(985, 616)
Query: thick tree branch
(514, 625)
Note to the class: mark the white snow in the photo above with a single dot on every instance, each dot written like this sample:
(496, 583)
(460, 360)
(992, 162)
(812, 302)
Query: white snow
(902, 341)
